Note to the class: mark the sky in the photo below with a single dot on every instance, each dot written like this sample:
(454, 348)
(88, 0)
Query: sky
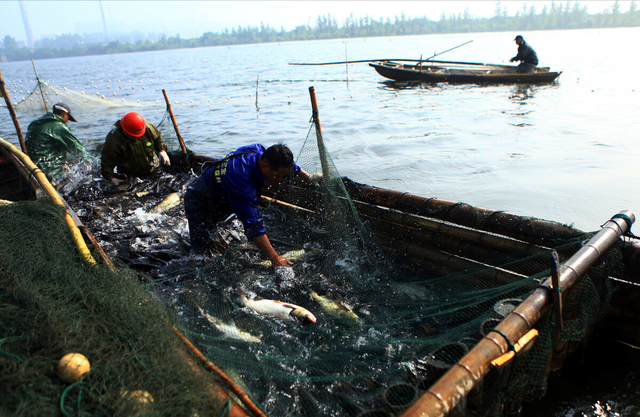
(191, 19)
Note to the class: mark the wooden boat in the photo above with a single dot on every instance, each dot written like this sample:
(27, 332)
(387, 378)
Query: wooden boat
(451, 237)
(461, 73)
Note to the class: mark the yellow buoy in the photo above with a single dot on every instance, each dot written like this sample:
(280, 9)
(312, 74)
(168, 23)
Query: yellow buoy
(72, 367)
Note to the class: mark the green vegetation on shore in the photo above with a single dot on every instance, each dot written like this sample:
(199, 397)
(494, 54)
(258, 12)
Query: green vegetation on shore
(558, 16)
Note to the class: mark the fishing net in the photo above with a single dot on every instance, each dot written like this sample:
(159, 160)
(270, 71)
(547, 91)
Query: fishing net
(43, 95)
(52, 303)
(391, 316)
(400, 289)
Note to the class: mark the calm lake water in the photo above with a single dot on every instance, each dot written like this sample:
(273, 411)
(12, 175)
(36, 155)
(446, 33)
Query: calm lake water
(566, 151)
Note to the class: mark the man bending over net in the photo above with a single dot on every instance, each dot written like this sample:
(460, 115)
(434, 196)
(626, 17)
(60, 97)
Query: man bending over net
(233, 184)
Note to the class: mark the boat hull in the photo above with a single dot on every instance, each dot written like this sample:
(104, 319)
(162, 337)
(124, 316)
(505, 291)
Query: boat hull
(443, 75)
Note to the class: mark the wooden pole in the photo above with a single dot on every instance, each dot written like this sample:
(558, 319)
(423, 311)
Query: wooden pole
(557, 295)
(210, 366)
(481, 64)
(44, 102)
(7, 99)
(320, 142)
(257, 84)
(175, 124)
(346, 60)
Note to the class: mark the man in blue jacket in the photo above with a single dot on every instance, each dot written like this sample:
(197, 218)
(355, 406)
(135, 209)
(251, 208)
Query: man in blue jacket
(233, 184)
(526, 55)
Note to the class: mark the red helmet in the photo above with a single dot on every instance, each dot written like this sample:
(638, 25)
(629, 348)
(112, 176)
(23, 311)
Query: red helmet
(133, 124)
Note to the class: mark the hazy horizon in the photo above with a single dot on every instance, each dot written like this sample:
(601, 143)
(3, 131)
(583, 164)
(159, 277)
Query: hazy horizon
(190, 19)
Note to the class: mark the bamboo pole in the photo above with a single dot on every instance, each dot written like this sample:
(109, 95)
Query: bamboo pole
(454, 385)
(392, 59)
(173, 120)
(7, 99)
(316, 120)
(44, 102)
(55, 197)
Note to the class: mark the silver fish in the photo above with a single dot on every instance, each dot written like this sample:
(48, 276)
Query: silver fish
(294, 256)
(276, 309)
(335, 308)
(169, 202)
(229, 330)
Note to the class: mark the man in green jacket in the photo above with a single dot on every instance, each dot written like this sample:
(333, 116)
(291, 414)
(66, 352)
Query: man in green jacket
(131, 146)
(50, 142)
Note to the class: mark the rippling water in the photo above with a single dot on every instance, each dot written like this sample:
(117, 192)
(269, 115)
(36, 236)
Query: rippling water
(565, 151)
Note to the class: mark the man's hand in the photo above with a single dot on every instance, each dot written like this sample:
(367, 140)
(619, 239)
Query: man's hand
(280, 261)
(314, 179)
(164, 158)
(115, 181)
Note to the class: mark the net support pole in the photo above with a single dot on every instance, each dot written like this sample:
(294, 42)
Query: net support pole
(316, 121)
(44, 102)
(173, 120)
(12, 112)
(460, 379)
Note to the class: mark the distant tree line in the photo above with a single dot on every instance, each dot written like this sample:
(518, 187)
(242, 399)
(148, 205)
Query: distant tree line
(569, 15)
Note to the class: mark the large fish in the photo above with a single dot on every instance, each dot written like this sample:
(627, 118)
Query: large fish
(168, 203)
(335, 308)
(275, 309)
(229, 330)
(294, 256)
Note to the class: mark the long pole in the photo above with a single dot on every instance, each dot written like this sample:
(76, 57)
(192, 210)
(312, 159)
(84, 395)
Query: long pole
(7, 99)
(316, 121)
(173, 120)
(451, 49)
(44, 102)
(384, 59)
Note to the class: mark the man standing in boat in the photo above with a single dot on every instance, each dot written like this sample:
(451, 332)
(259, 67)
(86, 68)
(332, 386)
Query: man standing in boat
(135, 147)
(233, 184)
(526, 55)
(50, 142)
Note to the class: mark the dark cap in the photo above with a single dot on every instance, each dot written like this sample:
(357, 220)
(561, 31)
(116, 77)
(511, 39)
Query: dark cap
(64, 108)
(518, 37)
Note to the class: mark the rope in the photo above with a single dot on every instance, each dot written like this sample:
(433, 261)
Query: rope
(511, 345)
(629, 222)
(549, 288)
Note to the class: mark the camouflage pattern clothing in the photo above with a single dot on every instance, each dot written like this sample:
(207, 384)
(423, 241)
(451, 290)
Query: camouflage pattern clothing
(50, 144)
(137, 157)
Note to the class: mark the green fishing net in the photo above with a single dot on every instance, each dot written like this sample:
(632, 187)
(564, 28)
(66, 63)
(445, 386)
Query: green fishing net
(52, 303)
(395, 306)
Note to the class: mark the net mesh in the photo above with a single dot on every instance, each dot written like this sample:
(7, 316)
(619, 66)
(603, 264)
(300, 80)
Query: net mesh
(390, 319)
(51, 304)
(44, 95)
(398, 296)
